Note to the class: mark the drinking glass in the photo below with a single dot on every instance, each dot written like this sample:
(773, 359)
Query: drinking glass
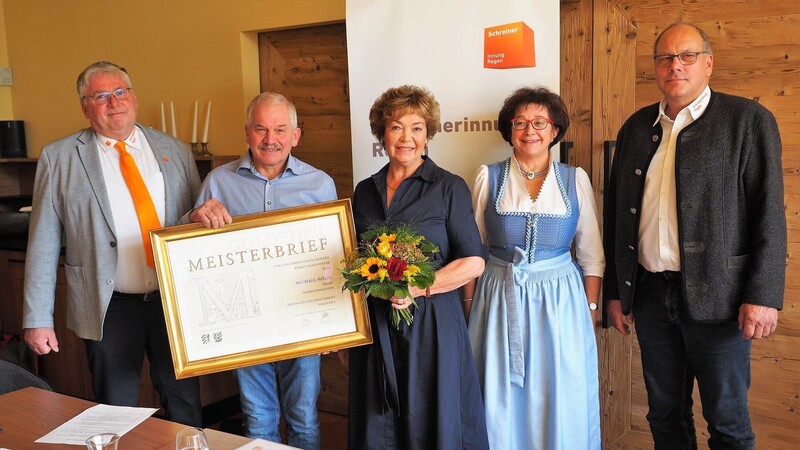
(103, 441)
(191, 438)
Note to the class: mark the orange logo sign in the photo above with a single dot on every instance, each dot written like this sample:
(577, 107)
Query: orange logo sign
(508, 46)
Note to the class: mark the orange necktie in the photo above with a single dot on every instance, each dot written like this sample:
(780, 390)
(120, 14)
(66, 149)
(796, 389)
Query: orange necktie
(145, 210)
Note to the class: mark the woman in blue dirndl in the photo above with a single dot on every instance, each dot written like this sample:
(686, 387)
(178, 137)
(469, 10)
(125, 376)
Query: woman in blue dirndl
(531, 322)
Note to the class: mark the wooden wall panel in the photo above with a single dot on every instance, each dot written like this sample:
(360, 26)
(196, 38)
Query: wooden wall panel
(614, 51)
(576, 80)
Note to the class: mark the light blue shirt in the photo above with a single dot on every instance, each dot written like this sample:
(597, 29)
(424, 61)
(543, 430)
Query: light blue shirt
(243, 190)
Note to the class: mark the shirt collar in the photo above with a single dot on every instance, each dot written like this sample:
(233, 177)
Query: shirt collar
(427, 171)
(292, 165)
(131, 142)
(695, 109)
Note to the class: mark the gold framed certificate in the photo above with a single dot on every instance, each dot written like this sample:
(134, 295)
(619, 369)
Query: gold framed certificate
(265, 288)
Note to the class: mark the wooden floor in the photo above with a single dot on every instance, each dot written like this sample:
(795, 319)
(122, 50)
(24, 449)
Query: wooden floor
(640, 440)
(633, 440)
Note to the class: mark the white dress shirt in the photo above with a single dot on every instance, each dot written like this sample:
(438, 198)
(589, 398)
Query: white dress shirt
(659, 246)
(133, 275)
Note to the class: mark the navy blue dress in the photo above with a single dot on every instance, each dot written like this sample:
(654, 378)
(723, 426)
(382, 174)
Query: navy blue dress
(417, 387)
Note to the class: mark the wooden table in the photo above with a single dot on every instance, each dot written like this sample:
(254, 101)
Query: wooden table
(30, 413)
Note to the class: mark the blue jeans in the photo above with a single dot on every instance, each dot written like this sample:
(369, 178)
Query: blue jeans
(291, 387)
(675, 350)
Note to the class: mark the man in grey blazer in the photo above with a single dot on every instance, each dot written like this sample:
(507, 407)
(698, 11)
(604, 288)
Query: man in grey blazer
(112, 292)
(695, 242)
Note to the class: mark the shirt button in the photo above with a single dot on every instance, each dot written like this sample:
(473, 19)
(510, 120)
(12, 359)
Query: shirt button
(630, 247)
(109, 282)
(627, 283)
(269, 203)
(112, 244)
(638, 172)
(633, 210)
(655, 138)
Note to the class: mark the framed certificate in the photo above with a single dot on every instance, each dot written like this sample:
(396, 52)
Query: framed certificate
(265, 288)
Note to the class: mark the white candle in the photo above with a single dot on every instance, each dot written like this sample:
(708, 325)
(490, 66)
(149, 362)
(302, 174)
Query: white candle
(208, 119)
(172, 110)
(194, 123)
(163, 119)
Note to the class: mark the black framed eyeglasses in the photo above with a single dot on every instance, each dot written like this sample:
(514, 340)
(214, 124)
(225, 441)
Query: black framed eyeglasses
(685, 58)
(539, 123)
(101, 98)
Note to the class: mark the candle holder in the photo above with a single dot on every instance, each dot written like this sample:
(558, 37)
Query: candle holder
(204, 149)
(195, 149)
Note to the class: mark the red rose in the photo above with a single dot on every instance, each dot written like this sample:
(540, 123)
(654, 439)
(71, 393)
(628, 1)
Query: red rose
(395, 267)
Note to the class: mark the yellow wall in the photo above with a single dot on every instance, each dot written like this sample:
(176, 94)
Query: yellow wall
(179, 50)
(5, 91)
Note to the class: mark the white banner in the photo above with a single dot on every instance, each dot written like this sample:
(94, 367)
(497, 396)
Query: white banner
(470, 54)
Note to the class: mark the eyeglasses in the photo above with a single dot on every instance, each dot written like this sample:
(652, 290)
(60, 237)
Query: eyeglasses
(685, 58)
(101, 98)
(539, 123)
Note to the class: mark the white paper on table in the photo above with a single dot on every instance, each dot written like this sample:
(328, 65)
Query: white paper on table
(95, 420)
(261, 444)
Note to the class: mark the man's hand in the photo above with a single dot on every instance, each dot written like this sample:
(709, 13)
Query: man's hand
(41, 340)
(211, 213)
(614, 310)
(757, 321)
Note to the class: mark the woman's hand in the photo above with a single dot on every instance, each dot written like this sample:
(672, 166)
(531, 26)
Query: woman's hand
(401, 303)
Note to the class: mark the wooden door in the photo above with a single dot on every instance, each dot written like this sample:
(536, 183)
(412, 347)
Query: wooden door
(597, 82)
(309, 67)
(612, 102)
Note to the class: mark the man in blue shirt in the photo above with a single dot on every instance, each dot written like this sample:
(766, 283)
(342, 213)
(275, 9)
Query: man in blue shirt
(267, 178)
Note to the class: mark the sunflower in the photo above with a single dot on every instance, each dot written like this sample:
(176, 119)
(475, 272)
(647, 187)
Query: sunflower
(372, 267)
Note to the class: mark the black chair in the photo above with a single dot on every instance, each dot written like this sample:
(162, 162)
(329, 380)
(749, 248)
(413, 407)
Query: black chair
(14, 377)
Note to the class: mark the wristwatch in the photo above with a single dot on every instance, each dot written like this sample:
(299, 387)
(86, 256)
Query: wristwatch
(593, 306)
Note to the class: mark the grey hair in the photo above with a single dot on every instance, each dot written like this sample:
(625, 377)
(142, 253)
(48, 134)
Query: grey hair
(272, 99)
(100, 67)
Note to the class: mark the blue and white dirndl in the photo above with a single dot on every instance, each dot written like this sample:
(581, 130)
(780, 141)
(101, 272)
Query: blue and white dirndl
(531, 331)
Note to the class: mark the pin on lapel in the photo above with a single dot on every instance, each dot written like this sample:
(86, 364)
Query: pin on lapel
(165, 158)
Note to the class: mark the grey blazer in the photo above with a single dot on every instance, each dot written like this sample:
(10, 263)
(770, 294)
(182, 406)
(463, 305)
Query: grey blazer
(70, 198)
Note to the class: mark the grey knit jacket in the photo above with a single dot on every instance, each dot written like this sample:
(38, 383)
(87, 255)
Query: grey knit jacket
(731, 221)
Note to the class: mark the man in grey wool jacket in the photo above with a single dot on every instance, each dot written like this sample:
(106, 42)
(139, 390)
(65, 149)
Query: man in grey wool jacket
(695, 242)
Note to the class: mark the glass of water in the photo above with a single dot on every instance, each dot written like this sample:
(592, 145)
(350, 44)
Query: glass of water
(104, 441)
(191, 438)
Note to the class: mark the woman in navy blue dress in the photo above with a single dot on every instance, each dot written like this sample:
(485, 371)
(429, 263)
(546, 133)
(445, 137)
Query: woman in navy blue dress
(416, 387)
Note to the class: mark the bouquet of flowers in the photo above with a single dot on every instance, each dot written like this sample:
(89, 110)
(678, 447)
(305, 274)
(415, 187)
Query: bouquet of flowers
(389, 260)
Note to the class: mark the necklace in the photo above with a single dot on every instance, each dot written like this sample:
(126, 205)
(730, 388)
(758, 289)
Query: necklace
(530, 174)
(390, 186)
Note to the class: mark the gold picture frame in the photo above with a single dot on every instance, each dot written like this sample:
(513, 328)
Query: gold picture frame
(265, 288)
